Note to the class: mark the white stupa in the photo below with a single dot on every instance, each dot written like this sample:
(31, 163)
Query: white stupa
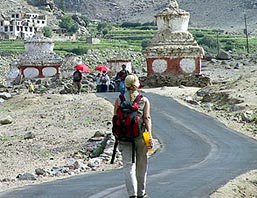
(39, 59)
(173, 50)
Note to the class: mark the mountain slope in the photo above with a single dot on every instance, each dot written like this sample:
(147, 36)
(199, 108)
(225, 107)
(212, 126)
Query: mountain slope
(227, 15)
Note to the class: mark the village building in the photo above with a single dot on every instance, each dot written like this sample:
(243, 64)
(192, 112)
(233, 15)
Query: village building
(21, 25)
(93, 40)
(39, 59)
(173, 50)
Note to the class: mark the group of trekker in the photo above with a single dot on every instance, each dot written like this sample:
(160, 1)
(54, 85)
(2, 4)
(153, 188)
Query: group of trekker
(130, 121)
(105, 84)
(103, 81)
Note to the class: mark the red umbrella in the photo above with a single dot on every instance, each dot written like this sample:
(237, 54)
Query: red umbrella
(102, 68)
(82, 68)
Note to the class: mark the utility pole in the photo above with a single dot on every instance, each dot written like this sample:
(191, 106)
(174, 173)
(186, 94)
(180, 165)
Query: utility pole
(246, 34)
(218, 42)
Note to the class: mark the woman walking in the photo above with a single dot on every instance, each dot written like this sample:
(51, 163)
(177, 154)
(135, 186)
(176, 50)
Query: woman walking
(135, 173)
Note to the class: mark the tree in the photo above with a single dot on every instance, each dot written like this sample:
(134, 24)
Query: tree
(105, 32)
(47, 31)
(101, 26)
(68, 24)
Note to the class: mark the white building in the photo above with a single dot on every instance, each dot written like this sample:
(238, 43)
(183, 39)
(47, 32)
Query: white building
(20, 25)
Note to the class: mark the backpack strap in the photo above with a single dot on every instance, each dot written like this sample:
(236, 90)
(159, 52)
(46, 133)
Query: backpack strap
(122, 97)
(114, 150)
(138, 98)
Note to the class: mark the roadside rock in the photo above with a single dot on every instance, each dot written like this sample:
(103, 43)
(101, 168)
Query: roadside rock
(223, 55)
(6, 120)
(5, 95)
(40, 171)
(26, 176)
(29, 135)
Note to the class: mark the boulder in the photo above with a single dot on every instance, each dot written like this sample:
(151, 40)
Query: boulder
(26, 176)
(6, 120)
(223, 55)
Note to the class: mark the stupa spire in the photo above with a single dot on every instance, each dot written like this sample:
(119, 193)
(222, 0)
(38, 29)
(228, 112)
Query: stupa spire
(173, 4)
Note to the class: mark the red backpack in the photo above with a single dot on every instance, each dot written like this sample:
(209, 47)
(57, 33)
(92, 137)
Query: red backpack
(127, 124)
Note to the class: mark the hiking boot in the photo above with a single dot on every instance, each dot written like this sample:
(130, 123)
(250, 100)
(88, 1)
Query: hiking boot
(143, 196)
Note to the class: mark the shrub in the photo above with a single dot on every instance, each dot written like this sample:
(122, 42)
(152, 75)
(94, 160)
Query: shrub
(198, 35)
(79, 51)
(101, 26)
(229, 45)
(208, 49)
(148, 28)
(68, 24)
(130, 25)
(145, 43)
(149, 24)
(105, 32)
(208, 41)
(47, 31)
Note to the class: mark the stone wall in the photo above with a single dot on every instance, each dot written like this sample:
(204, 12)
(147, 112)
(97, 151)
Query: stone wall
(175, 80)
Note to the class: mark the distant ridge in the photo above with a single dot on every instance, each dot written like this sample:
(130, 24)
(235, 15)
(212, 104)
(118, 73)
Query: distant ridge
(216, 14)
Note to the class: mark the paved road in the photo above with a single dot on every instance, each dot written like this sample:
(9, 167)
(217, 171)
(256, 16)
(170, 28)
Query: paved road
(197, 156)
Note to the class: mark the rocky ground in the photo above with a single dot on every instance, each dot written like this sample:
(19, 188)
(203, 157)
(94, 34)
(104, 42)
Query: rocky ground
(232, 99)
(52, 133)
(47, 136)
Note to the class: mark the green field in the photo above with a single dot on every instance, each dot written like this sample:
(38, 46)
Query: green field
(124, 38)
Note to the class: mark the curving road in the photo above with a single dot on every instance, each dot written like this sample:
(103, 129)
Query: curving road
(198, 155)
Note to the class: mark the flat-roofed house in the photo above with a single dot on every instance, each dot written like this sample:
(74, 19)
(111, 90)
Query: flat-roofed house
(22, 26)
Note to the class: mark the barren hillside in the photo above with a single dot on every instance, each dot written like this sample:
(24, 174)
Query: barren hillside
(227, 15)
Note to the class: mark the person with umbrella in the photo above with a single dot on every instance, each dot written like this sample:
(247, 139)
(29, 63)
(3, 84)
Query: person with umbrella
(77, 76)
(98, 82)
(104, 79)
(105, 82)
(102, 68)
